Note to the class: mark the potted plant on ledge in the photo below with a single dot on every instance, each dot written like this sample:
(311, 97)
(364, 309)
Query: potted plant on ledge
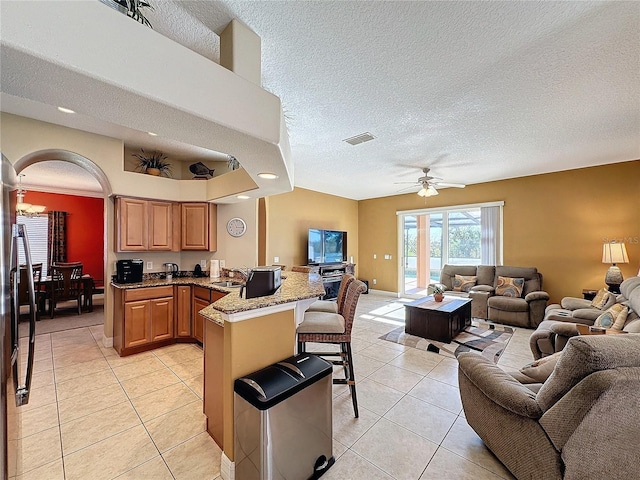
(154, 163)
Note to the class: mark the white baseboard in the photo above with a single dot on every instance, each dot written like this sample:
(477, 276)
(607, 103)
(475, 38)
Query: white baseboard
(107, 342)
(227, 468)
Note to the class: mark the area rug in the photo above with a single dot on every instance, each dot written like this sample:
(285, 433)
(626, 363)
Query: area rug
(485, 338)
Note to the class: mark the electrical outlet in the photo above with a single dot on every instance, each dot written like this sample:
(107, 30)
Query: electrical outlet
(276, 259)
(203, 263)
(375, 256)
(387, 256)
(375, 281)
(149, 265)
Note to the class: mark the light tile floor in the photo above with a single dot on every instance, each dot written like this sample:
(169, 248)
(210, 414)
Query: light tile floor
(94, 415)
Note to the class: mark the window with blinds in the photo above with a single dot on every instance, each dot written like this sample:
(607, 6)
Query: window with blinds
(37, 228)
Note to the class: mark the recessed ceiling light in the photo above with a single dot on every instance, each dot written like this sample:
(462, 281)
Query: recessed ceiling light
(243, 197)
(65, 110)
(152, 134)
(268, 175)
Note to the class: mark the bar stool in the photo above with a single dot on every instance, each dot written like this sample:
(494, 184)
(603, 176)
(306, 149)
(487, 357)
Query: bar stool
(330, 306)
(335, 328)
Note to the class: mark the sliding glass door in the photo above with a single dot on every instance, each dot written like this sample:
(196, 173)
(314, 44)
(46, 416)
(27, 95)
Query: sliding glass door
(431, 238)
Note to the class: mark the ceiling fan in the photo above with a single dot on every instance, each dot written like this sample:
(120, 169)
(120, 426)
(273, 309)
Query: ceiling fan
(429, 184)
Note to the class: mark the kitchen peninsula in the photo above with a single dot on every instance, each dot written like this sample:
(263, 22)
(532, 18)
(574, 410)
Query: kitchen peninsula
(240, 335)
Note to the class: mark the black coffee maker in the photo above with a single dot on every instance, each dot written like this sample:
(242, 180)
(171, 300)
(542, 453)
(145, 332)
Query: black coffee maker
(129, 270)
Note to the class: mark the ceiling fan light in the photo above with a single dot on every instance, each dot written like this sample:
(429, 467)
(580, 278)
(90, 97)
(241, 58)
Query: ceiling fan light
(423, 192)
(431, 191)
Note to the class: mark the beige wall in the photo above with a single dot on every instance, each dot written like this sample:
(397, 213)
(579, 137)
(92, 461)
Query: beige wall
(556, 222)
(290, 216)
(20, 136)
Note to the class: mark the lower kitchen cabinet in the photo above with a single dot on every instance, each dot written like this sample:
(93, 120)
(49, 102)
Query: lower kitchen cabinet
(144, 317)
(183, 313)
(150, 317)
(202, 298)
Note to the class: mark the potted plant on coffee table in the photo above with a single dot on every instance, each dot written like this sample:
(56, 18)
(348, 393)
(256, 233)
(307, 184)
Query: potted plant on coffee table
(438, 293)
(153, 163)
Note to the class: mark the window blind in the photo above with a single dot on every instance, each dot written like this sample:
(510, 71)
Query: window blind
(37, 233)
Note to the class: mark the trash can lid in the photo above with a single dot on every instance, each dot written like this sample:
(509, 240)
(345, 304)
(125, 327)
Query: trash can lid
(273, 384)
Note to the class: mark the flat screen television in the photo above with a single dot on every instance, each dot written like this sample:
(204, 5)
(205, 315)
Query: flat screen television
(326, 246)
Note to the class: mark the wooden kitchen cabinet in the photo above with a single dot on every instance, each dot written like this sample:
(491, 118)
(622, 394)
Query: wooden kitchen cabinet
(137, 329)
(132, 224)
(202, 298)
(161, 318)
(144, 225)
(199, 226)
(160, 225)
(183, 309)
(143, 317)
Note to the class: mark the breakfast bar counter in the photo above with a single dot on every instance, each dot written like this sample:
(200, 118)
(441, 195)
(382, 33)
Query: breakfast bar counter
(245, 335)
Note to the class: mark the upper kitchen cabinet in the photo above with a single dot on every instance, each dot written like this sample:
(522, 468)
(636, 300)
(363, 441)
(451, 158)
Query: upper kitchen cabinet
(144, 225)
(199, 226)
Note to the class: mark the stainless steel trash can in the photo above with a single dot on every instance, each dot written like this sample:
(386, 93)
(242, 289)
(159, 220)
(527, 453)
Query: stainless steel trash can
(283, 420)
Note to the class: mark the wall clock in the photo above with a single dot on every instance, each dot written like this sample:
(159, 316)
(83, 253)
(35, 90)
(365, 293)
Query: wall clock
(236, 227)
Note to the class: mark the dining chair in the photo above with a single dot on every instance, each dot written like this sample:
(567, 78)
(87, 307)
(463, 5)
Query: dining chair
(329, 305)
(23, 287)
(66, 284)
(335, 328)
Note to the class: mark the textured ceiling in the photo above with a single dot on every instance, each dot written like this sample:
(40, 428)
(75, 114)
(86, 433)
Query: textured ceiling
(478, 91)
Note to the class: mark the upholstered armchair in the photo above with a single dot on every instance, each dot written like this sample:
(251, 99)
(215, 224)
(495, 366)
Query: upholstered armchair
(582, 423)
(525, 310)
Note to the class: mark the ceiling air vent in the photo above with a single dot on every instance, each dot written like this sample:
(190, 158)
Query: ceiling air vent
(363, 137)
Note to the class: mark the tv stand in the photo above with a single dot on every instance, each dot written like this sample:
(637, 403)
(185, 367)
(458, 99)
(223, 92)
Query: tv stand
(332, 276)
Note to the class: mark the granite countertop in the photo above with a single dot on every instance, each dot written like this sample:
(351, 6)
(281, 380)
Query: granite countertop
(295, 286)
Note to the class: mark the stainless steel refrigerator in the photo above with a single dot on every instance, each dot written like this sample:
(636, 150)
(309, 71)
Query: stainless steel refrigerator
(15, 368)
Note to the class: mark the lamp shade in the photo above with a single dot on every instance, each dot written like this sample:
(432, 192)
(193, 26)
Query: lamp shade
(614, 253)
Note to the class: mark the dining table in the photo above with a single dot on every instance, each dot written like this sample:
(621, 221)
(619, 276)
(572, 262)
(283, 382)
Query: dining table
(88, 285)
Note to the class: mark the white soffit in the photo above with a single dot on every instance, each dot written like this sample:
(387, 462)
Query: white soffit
(168, 89)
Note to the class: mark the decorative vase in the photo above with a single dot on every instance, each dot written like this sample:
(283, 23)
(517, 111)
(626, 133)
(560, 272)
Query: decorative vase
(438, 297)
(153, 171)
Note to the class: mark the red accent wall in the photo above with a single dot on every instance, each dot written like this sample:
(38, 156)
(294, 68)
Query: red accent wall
(85, 228)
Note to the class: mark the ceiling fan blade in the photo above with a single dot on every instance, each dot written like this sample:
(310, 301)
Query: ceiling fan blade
(407, 183)
(445, 185)
(407, 188)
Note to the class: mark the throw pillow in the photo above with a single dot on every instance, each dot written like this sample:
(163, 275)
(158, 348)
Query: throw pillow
(510, 287)
(601, 298)
(463, 284)
(541, 369)
(613, 318)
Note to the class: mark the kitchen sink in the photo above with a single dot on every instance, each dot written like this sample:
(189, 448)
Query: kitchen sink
(227, 284)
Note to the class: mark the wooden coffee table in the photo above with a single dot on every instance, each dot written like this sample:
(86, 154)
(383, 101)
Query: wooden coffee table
(440, 321)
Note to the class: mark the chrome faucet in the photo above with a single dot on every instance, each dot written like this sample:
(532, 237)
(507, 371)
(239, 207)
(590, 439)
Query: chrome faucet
(245, 271)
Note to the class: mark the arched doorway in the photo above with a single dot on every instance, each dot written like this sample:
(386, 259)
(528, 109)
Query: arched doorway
(94, 171)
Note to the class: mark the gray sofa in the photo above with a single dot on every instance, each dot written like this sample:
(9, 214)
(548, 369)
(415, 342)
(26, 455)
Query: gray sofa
(525, 311)
(554, 332)
(581, 423)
